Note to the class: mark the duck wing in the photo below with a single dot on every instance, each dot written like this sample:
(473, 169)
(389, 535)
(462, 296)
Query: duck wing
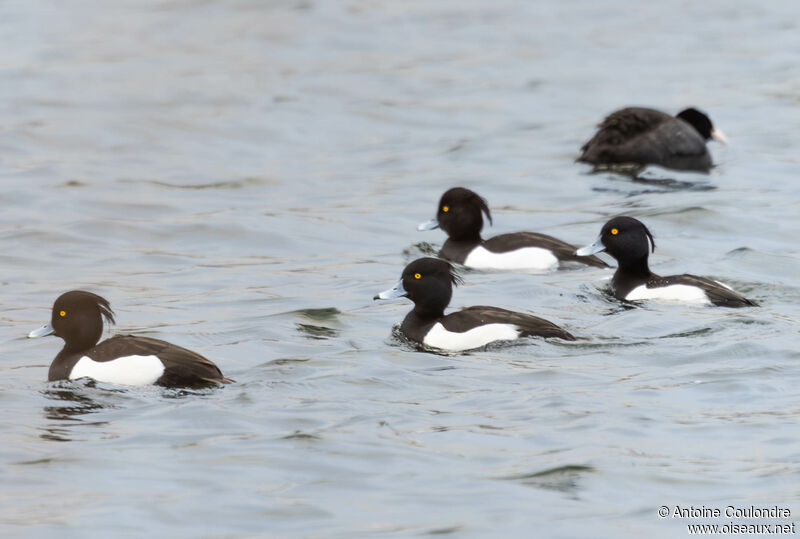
(182, 367)
(622, 126)
(674, 144)
(717, 293)
(472, 317)
(561, 249)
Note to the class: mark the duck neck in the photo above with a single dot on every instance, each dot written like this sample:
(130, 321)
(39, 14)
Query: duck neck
(430, 304)
(470, 236)
(62, 364)
(76, 348)
(429, 310)
(635, 268)
(81, 337)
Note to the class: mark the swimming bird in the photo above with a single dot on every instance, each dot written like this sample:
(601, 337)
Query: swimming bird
(77, 317)
(460, 215)
(428, 282)
(630, 243)
(642, 136)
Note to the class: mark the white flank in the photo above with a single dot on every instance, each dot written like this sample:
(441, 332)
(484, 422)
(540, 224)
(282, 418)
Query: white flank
(525, 258)
(676, 292)
(439, 337)
(127, 370)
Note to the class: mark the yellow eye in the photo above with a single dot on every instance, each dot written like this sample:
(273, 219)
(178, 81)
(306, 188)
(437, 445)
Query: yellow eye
(417, 275)
(445, 209)
(614, 231)
(63, 313)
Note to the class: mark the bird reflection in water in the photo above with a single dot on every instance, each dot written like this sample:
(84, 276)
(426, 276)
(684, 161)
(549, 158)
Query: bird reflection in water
(73, 402)
(74, 399)
(651, 181)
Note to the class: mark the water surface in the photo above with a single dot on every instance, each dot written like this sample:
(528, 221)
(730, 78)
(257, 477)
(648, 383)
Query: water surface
(241, 177)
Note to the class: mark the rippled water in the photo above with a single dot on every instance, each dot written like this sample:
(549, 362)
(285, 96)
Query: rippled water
(241, 177)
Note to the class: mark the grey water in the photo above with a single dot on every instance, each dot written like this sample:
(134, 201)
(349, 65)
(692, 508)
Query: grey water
(240, 178)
